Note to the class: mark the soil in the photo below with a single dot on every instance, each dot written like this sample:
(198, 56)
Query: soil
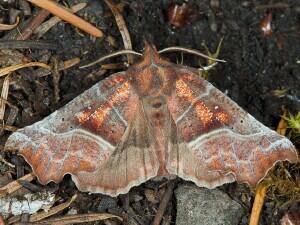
(261, 73)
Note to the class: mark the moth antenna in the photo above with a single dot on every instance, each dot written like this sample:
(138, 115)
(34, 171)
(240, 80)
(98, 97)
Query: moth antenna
(209, 67)
(188, 50)
(114, 54)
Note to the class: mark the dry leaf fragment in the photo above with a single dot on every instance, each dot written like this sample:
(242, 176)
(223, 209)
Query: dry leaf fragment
(265, 24)
(182, 15)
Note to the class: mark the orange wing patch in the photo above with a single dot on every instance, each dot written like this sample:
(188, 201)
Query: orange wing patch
(204, 114)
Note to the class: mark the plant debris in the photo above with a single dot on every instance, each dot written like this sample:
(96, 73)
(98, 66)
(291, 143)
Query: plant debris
(266, 24)
(182, 15)
(30, 203)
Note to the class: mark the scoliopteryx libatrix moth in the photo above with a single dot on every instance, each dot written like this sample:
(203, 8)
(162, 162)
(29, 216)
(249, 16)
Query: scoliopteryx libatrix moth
(155, 119)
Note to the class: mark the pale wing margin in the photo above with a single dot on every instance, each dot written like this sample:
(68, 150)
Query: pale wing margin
(243, 150)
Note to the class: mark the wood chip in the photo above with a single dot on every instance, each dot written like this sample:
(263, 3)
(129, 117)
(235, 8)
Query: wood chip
(4, 95)
(15, 185)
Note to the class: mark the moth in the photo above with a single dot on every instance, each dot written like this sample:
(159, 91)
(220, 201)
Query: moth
(156, 119)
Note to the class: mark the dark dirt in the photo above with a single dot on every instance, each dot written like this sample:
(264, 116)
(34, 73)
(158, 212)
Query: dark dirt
(257, 67)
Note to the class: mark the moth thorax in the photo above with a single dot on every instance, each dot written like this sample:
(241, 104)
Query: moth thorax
(156, 110)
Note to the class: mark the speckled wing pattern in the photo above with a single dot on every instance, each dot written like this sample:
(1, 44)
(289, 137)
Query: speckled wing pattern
(218, 142)
(100, 138)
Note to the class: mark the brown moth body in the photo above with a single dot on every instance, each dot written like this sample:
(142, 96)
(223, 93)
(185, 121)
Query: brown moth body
(155, 119)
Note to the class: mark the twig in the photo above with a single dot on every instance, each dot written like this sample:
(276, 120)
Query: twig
(33, 24)
(7, 163)
(15, 185)
(80, 218)
(4, 95)
(9, 26)
(122, 27)
(65, 65)
(9, 69)
(278, 5)
(33, 44)
(133, 215)
(52, 211)
(260, 194)
(163, 204)
(68, 16)
(43, 28)
(56, 78)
